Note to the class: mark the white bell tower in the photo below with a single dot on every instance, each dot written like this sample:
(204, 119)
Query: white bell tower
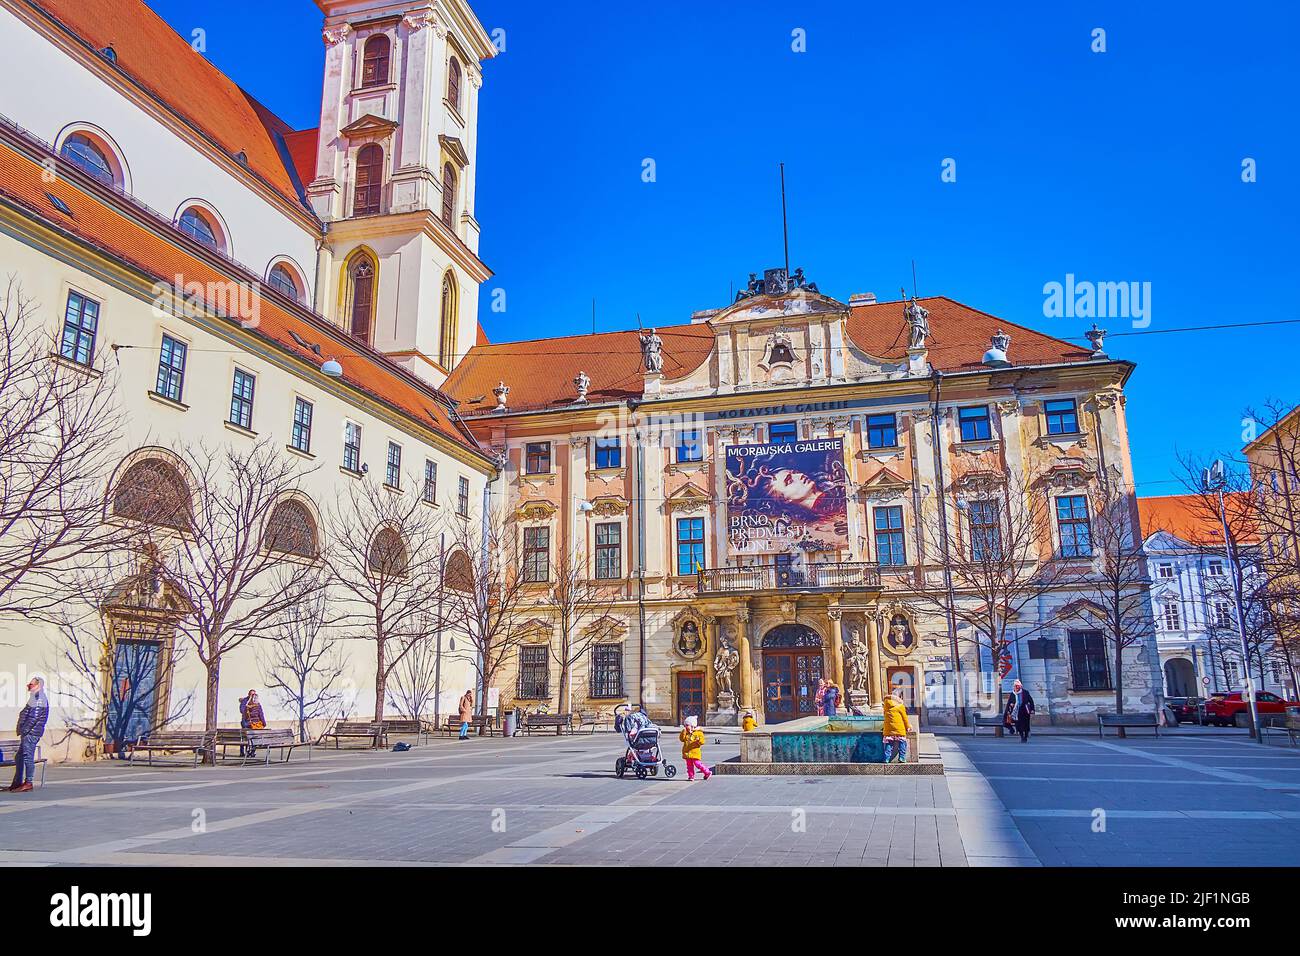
(395, 177)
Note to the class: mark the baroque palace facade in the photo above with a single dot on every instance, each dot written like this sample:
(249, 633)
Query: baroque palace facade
(757, 493)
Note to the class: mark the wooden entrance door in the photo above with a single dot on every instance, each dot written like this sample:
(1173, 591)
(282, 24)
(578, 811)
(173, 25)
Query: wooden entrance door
(903, 680)
(790, 683)
(690, 695)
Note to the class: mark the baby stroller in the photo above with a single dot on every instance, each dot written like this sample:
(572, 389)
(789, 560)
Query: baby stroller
(643, 755)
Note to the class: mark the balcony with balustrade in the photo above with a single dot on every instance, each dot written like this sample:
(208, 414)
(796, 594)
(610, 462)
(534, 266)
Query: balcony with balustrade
(832, 577)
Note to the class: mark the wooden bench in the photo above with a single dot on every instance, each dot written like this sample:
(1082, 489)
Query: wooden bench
(193, 741)
(405, 727)
(249, 741)
(9, 753)
(1124, 721)
(980, 720)
(358, 730)
(561, 723)
(487, 724)
(589, 720)
(1279, 724)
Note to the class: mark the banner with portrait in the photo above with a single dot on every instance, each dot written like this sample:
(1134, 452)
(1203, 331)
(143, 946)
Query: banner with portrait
(787, 496)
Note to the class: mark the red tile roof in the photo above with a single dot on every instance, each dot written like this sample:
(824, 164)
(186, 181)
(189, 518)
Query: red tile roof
(160, 254)
(165, 65)
(959, 336)
(1186, 518)
(302, 151)
(540, 373)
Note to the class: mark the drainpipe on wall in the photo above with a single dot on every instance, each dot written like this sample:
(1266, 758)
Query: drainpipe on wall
(640, 567)
(942, 497)
(483, 575)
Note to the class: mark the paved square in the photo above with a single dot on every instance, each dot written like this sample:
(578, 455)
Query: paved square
(555, 801)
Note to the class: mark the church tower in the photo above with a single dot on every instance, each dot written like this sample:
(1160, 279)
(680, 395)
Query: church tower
(395, 176)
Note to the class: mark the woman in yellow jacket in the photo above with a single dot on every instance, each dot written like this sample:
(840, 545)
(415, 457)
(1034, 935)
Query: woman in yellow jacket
(896, 728)
(692, 739)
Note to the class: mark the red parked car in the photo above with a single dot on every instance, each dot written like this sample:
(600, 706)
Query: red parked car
(1224, 709)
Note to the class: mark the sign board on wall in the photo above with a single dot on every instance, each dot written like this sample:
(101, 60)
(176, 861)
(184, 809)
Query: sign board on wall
(787, 496)
(1008, 663)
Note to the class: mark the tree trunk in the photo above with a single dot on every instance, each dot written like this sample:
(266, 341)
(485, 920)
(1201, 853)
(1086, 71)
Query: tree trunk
(210, 717)
(381, 678)
(1119, 684)
(562, 698)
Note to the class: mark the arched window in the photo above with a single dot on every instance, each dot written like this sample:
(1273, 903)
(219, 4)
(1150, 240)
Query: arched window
(199, 227)
(361, 309)
(453, 84)
(387, 553)
(449, 196)
(283, 281)
(84, 153)
(459, 573)
(153, 491)
(370, 180)
(292, 530)
(447, 340)
(374, 61)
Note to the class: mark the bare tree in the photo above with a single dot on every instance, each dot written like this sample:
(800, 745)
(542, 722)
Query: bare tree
(1114, 594)
(59, 430)
(582, 611)
(238, 570)
(115, 655)
(414, 684)
(385, 562)
(1001, 562)
(485, 595)
(303, 662)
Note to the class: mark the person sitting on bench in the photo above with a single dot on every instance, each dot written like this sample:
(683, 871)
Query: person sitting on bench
(250, 718)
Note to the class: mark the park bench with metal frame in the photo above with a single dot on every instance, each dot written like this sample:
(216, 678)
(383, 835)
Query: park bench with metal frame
(486, 723)
(197, 742)
(9, 748)
(406, 727)
(1128, 721)
(358, 730)
(1287, 724)
(249, 741)
(980, 720)
(560, 722)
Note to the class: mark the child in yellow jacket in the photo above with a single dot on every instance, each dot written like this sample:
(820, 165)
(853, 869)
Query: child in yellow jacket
(748, 723)
(895, 728)
(692, 739)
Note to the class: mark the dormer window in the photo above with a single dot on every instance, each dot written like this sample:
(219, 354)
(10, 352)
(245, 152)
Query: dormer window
(374, 61)
(369, 181)
(195, 224)
(453, 84)
(85, 154)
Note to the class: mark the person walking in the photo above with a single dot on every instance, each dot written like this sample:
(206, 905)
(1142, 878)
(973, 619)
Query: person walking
(692, 739)
(466, 713)
(31, 725)
(895, 728)
(1020, 707)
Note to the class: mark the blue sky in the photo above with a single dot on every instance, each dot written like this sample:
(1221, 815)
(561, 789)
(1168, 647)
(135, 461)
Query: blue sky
(1115, 166)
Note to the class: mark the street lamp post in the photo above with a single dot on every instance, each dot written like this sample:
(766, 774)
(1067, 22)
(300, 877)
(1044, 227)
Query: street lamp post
(1214, 479)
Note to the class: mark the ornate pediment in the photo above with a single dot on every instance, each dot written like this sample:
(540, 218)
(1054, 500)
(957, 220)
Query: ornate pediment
(536, 630)
(883, 485)
(1067, 475)
(689, 498)
(606, 506)
(606, 629)
(369, 126)
(536, 511)
(980, 483)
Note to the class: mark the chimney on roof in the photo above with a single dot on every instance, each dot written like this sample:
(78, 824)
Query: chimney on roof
(862, 298)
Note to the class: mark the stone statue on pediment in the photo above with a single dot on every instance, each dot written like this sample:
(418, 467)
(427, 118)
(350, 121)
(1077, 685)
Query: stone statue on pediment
(652, 351)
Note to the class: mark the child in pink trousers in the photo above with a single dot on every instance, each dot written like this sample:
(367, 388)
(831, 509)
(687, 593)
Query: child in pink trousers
(692, 739)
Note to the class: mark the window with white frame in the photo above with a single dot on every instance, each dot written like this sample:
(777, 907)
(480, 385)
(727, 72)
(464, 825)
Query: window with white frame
(1171, 615)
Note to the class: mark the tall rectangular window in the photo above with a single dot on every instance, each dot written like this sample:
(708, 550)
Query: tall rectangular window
(1088, 661)
(462, 497)
(171, 369)
(1165, 569)
(783, 431)
(393, 467)
(1062, 416)
(241, 400)
(689, 446)
(533, 673)
(1214, 568)
(430, 492)
(609, 453)
(974, 422)
(606, 670)
(1072, 520)
(537, 555)
(609, 551)
(80, 324)
(690, 545)
(889, 536)
(537, 458)
(882, 431)
(352, 446)
(1171, 615)
(302, 412)
(985, 531)
(1223, 618)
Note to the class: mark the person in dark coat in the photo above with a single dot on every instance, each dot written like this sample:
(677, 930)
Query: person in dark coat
(31, 724)
(1020, 707)
(251, 717)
